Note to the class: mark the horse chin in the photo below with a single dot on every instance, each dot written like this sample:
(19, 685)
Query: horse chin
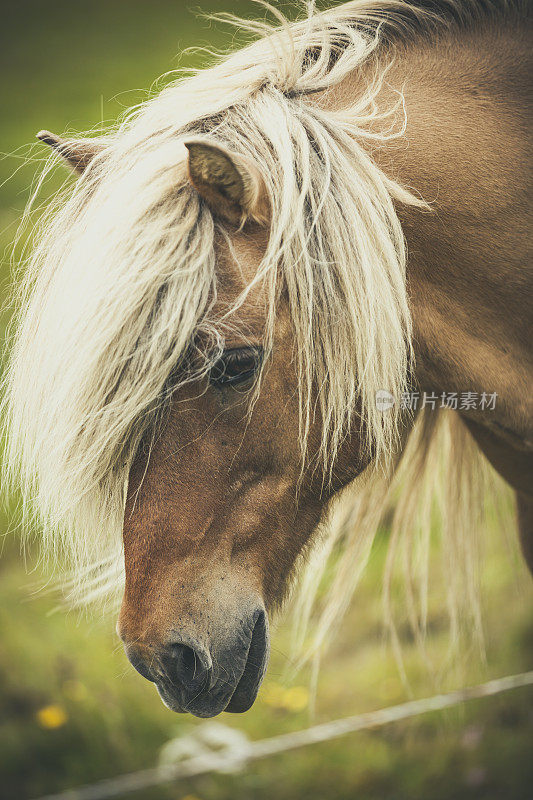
(208, 704)
(219, 697)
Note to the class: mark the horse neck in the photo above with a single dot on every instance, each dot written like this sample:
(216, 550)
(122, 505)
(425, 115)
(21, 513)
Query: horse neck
(468, 104)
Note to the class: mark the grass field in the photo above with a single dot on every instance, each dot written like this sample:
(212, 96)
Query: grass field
(72, 710)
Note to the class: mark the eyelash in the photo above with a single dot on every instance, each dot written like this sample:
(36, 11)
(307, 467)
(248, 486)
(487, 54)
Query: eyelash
(229, 369)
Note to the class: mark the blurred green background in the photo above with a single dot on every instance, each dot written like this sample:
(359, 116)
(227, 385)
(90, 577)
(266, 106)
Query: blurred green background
(72, 710)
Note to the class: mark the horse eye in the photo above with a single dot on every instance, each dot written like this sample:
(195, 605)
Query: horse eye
(236, 366)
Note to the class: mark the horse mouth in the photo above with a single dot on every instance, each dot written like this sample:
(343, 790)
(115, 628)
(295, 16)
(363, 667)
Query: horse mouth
(220, 695)
(245, 693)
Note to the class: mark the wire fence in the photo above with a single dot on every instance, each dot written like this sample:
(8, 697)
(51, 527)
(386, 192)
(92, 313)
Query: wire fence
(217, 748)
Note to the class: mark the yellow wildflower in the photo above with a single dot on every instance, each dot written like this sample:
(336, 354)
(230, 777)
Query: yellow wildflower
(296, 698)
(293, 699)
(51, 717)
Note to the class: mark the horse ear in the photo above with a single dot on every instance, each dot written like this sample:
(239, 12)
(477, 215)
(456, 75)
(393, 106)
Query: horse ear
(78, 153)
(230, 183)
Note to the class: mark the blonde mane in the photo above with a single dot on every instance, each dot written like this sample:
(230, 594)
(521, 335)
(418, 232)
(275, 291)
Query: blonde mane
(103, 320)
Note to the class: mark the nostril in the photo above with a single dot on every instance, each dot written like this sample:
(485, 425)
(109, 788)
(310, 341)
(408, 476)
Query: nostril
(187, 661)
(187, 665)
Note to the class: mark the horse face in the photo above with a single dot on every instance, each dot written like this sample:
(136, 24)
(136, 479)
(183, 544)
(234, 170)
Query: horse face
(217, 511)
(212, 525)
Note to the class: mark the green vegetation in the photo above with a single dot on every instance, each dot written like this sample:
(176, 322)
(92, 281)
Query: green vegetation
(72, 710)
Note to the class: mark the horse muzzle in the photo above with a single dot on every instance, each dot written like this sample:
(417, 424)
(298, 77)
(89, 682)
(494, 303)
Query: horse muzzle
(205, 678)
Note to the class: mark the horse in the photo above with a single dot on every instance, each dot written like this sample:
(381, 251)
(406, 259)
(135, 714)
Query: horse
(298, 275)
